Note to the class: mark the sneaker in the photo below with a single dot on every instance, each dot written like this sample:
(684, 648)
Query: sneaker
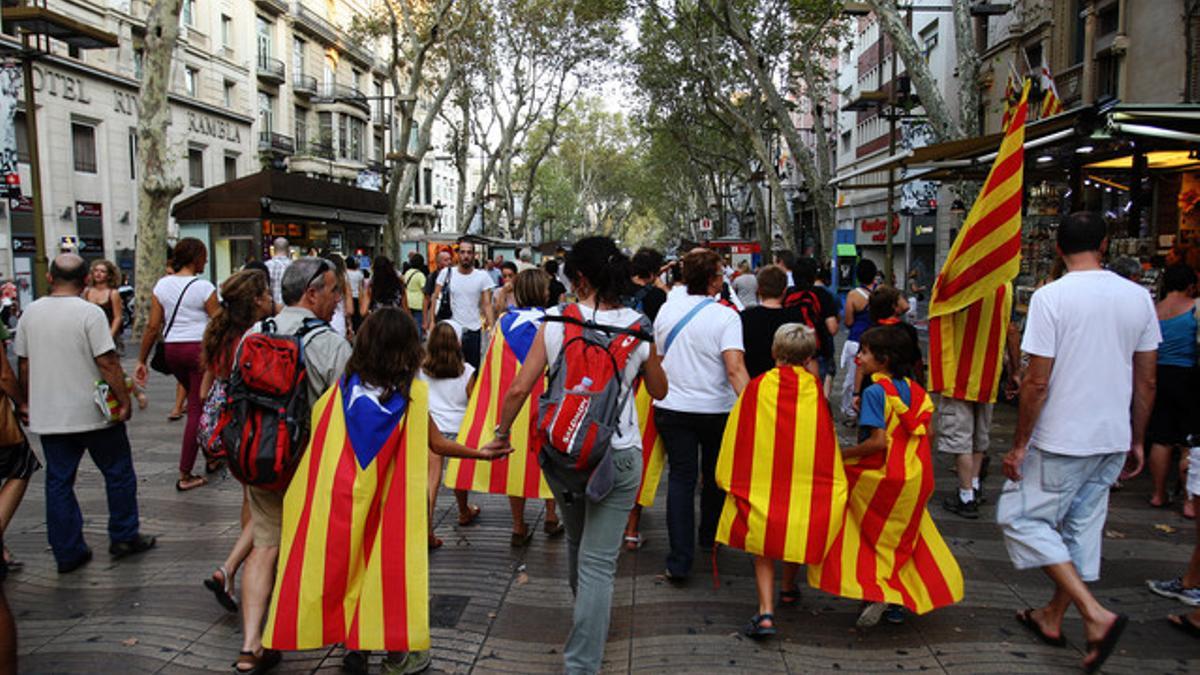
(409, 663)
(1173, 588)
(870, 615)
(954, 504)
(120, 549)
(355, 662)
(894, 614)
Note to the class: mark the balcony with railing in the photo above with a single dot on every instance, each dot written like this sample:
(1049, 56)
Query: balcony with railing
(273, 6)
(314, 24)
(277, 144)
(270, 70)
(304, 85)
(314, 148)
(332, 92)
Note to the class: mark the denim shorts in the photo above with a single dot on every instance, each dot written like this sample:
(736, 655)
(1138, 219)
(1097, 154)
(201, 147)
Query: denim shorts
(1056, 512)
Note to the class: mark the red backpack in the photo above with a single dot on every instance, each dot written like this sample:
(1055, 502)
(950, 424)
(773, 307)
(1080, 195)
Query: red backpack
(809, 306)
(264, 423)
(580, 409)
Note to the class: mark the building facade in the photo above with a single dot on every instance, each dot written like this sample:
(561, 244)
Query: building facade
(255, 85)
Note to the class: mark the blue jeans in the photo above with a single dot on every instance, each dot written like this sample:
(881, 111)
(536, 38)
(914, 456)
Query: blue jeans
(692, 441)
(109, 448)
(594, 540)
(471, 346)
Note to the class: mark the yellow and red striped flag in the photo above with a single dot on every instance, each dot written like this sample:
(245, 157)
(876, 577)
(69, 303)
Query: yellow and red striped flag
(654, 453)
(1011, 88)
(518, 474)
(781, 469)
(354, 554)
(966, 348)
(987, 252)
(1051, 103)
(888, 549)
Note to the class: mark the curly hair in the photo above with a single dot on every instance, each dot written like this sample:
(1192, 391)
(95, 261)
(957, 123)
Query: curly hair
(387, 351)
(443, 353)
(239, 310)
(386, 287)
(114, 277)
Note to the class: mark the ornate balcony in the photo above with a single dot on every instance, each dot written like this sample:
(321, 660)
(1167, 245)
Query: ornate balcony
(304, 85)
(341, 93)
(270, 70)
(276, 144)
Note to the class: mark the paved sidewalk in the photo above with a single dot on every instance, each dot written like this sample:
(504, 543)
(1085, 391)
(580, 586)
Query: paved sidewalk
(496, 609)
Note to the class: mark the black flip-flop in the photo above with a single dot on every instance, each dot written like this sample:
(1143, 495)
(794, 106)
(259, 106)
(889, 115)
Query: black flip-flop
(756, 630)
(1182, 623)
(1104, 646)
(221, 590)
(1025, 617)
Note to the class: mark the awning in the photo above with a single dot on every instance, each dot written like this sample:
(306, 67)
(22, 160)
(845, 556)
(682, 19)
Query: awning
(272, 194)
(1162, 127)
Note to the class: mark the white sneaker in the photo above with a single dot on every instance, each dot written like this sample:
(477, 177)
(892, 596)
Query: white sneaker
(871, 614)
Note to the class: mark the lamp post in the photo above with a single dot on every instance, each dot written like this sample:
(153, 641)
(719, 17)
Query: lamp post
(38, 25)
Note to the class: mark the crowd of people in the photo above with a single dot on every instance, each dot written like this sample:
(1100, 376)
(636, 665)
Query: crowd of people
(529, 379)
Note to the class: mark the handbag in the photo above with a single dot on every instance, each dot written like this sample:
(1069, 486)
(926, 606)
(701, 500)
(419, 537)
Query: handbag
(10, 426)
(158, 360)
(444, 311)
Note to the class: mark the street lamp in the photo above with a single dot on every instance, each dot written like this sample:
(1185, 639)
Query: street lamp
(38, 25)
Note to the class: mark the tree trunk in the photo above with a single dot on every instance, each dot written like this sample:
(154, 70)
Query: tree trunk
(945, 126)
(157, 186)
(968, 71)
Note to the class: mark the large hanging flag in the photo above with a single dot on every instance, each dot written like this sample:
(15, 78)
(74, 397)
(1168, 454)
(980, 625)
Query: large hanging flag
(353, 559)
(654, 453)
(1051, 103)
(966, 348)
(781, 469)
(518, 474)
(1012, 91)
(888, 549)
(987, 252)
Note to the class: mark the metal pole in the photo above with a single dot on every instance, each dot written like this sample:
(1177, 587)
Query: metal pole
(891, 194)
(41, 264)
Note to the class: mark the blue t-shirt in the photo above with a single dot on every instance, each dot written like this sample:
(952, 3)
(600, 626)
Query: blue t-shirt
(872, 416)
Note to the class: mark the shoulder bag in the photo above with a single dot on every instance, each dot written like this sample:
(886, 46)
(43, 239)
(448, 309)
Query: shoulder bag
(158, 361)
(444, 311)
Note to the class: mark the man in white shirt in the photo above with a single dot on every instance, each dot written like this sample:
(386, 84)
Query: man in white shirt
(1092, 339)
(280, 259)
(704, 358)
(64, 347)
(470, 293)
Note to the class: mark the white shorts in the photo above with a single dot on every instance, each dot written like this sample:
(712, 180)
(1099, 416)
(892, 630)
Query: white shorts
(1056, 512)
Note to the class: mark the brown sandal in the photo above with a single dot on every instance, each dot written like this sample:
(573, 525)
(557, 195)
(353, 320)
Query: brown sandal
(190, 483)
(264, 661)
(522, 538)
(553, 528)
(472, 515)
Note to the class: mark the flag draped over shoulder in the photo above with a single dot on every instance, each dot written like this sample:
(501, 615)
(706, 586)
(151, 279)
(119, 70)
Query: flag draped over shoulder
(966, 348)
(888, 549)
(987, 252)
(518, 474)
(654, 453)
(353, 560)
(781, 469)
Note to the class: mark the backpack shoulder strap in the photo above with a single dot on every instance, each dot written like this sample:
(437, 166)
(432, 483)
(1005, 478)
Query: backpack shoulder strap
(684, 322)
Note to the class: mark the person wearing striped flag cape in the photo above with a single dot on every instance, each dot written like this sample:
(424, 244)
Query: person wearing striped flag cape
(782, 472)
(888, 552)
(353, 563)
(518, 475)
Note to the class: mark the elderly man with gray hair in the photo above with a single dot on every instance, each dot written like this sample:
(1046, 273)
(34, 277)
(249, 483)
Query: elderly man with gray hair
(310, 290)
(279, 261)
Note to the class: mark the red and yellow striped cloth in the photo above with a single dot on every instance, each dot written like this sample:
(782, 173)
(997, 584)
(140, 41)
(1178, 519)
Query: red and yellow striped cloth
(654, 453)
(966, 348)
(781, 469)
(888, 549)
(1051, 103)
(353, 560)
(518, 474)
(987, 252)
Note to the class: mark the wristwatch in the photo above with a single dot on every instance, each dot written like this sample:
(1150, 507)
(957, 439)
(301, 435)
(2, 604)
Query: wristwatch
(501, 435)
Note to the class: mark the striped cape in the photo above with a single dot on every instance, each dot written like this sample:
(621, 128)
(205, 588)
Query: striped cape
(654, 453)
(966, 348)
(353, 560)
(518, 474)
(781, 469)
(987, 252)
(889, 550)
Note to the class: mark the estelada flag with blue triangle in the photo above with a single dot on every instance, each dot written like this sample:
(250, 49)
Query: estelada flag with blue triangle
(518, 474)
(354, 556)
(781, 469)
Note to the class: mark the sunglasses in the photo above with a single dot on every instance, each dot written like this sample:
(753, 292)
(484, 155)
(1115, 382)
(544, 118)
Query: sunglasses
(324, 267)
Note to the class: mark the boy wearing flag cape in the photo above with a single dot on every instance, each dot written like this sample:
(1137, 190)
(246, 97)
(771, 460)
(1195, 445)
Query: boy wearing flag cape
(353, 563)
(888, 552)
(782, 472)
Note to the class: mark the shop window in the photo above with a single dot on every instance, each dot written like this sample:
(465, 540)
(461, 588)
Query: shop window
(83, 144)
(230, 168)
(196, 167)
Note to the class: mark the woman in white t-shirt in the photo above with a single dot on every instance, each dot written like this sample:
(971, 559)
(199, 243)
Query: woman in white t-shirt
(450, 381)
(179, 312)
(599, 273)
(704, 358)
